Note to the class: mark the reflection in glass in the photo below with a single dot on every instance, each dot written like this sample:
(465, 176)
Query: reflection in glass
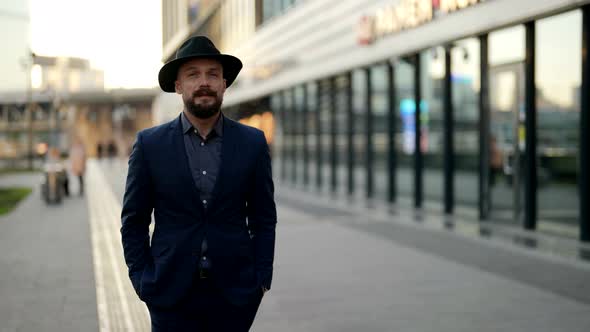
(506, 45)
(325, 123)
(277, 146)
(312, 107)
(341, 91)
(272, 8)
(289, 130)
(558, 79)
(405, 129)
(298, 131)
(506, 71)
(359, 112)
(432, 141)
(465, 80)
(379, 95)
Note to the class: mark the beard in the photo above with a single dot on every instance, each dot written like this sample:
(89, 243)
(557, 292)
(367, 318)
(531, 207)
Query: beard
(203, 111)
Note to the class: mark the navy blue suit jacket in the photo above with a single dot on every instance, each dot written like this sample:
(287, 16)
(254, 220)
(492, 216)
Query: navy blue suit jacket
(239, 223)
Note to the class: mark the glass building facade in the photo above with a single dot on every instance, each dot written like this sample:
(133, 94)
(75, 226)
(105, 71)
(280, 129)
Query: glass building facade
(452, 127)
(480, 114)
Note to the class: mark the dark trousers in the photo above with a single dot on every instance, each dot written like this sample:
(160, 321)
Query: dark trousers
(81, 182)
(204, 309)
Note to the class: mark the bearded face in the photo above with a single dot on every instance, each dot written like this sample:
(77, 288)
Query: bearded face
(201, 84)
(203, 103)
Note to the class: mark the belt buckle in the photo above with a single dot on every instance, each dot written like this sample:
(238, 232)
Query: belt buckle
(204, 266)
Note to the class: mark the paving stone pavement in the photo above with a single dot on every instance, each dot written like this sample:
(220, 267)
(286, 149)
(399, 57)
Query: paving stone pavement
(330, 277)
(46, 275)
(335, 270)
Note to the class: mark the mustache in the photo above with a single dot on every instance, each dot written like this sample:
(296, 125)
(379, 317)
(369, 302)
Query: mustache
(204, 92)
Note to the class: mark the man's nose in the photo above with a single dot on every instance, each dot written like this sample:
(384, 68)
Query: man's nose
(203, 82)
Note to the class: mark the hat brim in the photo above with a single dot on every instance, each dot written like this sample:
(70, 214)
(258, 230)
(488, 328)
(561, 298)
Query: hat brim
(168, 73)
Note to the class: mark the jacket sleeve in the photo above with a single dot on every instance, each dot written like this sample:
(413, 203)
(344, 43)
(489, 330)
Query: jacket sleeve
(262, 216)
(136, 214)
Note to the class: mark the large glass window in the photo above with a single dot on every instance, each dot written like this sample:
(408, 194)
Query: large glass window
(289, 130)
(311, 123)
(506, 71)
(15, 115)
(271, 8)
(359, 113)
(465, 80)
(325, 137)
(432, 140)
(558, 67)
(341, 92)
(379, 105)
(299, 138)
(277, 144)
(405, 129)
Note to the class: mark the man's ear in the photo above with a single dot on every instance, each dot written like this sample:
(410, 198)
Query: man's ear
(177, 87)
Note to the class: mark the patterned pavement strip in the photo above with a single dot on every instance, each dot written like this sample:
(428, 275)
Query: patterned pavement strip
(119, 309)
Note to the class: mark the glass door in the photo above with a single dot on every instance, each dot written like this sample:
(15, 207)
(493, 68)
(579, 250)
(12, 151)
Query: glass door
(506, 142)
(507, 130)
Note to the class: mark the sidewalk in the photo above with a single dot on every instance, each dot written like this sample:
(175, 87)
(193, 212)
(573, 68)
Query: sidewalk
(340, 271)
(338, 267)
(47, 281)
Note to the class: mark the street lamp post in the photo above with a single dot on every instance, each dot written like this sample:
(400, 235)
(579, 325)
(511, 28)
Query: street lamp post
(30, 112)
(30, 108)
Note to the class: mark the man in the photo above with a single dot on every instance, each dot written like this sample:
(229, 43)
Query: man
(208, 181)
(78, 161)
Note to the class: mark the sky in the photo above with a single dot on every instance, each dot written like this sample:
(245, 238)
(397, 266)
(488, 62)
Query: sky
(14, 33)
(121, 37)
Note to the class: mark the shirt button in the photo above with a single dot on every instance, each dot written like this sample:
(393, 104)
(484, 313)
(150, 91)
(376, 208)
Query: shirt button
(195, 131)
(204, 201)
(202, 143)
(204, 172)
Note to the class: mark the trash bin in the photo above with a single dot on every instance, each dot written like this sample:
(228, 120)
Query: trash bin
(53, 186)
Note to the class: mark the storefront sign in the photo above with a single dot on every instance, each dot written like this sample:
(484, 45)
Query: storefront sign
(404, 15)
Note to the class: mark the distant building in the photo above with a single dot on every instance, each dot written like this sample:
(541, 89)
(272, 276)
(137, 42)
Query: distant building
(68, 98)
(65, 75)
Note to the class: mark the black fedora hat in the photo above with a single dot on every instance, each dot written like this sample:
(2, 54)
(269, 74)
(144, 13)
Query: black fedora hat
(198, 47)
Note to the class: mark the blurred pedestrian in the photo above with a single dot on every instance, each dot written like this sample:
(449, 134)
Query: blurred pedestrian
(99, 150)
(111, 149)
(496, 161)
(208, 181)
(78, 161)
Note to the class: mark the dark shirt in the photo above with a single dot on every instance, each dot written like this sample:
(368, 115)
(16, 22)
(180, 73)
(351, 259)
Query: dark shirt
(204, 156)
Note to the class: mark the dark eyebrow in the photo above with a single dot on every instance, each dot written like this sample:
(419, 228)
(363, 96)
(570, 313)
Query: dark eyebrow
(208, 69)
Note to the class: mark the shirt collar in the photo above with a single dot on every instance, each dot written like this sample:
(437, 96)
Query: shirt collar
(187, 125)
